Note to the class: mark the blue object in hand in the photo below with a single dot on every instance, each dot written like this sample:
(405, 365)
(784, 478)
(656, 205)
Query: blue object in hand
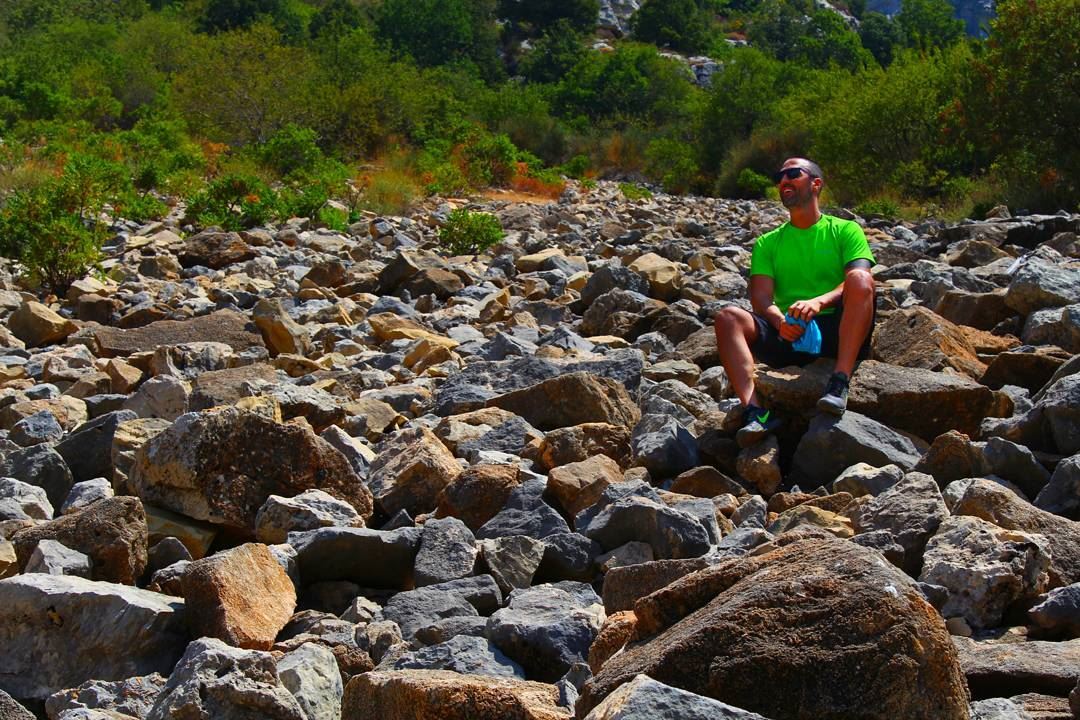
(810, 340)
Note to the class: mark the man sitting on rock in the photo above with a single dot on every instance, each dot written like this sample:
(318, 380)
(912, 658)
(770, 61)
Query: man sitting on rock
(814, 267)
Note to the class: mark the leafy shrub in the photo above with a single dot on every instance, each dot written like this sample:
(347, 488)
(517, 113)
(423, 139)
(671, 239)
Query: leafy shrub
(671, 162)
(633, 191)
(234, 202)
(678, 24)
(576, 167)
(55, 229)
(291, 149)
(881, 206)
(753, 184)
(387, 191)
(469, 233)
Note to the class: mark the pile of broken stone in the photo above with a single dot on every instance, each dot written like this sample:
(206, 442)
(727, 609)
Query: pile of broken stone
(298, 473)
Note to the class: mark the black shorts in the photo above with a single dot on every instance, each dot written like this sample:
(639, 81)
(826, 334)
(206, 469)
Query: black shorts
(774, 351)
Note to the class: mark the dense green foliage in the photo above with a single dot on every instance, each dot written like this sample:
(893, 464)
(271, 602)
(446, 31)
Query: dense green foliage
(469, 233)
(252, 110)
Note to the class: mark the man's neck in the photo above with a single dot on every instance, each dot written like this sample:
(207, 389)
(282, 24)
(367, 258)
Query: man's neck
(804, 216)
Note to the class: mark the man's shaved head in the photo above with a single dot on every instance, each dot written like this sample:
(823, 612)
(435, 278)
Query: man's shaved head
(812, 167)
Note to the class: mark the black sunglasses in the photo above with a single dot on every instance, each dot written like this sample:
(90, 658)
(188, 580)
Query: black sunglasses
(790, 173)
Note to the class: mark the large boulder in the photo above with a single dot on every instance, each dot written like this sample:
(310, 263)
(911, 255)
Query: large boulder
(814, 628)
(213, 681)
(410, 471)
(221, 466)
(42, 466)
(35, 324)
(832, 445)
(994, 668)
(919, 338)
(446, 695)
(997, 504)
(571, 399)
(112, 532)
(59, 631)
(131, 696)
(242, 596)
(224, 326)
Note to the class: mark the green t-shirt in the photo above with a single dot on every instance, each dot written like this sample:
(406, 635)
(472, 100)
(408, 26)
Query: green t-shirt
(806, 263)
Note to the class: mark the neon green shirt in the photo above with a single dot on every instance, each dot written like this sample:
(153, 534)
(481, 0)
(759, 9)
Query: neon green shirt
(806, 263)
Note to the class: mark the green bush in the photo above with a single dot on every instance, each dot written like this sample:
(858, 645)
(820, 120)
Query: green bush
(881, 206)
(633, 191)
(753, 184)
(470, 233)
(234, 202)
(291, 149)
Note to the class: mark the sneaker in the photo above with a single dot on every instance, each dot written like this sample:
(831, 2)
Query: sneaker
(834, 401)
(757, 423)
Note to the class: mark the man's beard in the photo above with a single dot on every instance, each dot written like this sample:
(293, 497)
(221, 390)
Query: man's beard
(797, 198)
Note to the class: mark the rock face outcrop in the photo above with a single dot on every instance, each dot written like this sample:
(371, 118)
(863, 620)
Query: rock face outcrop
(222, 465)
(834, 631)
(59, 631)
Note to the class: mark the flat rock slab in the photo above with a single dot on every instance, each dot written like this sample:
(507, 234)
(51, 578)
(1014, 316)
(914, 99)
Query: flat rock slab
(646, 699)
(445, 695)
(996, 669)
(816, 628)
(224, 326)
(60, 631)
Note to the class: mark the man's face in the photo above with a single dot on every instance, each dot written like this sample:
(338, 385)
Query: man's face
(798, 190)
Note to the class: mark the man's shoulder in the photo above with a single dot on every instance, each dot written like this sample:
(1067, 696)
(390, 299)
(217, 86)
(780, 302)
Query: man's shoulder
(768, 237)
(842, 225)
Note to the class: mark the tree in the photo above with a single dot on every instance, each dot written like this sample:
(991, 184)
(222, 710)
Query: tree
(879, 34)
(438, 32)
(540, 15)
(677, 24)
(224, 15)
(829, 40)
(929, 23)
(337, 17)
(558, 50)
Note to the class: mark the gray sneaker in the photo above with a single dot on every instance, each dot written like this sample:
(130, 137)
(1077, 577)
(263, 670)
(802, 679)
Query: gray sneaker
(834, 401)
(757, 423)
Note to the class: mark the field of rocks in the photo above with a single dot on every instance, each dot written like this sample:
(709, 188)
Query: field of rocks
(303, 474)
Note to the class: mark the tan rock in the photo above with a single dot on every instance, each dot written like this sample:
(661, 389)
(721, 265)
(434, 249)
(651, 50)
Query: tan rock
(85, 286)
(280, 332)
(69, 411)
(36, 325)
(379, 417)
(759, 465)
(411, 471)
(472, 425)
(445, 695)
(532, 262)
(131, 435)
(571, 399)
(478, 493)
(112, 532)
(664, 275)
(92, 383)
(196, 536)
(617, 630)
(388, 326)
(808, 515)
(707, 482)
(9, 562)
(241, 596)
(224, 326)
(124, 376)
(919, 338)
(576, 443)
(426, 353)
(578, 485)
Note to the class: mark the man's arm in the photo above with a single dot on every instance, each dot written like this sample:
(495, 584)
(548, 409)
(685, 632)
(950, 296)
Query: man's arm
(762, 289)
(806, 309)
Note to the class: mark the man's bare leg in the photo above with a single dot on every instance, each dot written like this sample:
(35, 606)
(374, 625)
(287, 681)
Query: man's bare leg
(735, 333)
(856, 319)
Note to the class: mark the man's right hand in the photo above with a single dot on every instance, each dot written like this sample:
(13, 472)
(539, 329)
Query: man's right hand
(791, 331)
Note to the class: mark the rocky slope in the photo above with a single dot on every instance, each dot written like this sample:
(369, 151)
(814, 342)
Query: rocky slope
(296, 473)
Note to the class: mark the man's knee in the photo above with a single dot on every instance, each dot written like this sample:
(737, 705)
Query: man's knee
(733, 321)
(859, 288)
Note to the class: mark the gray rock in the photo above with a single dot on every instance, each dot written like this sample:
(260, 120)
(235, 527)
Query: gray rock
(512, 560)
(1038, 284)
(548, 628)
(998, 709)
(447, 552)
(1058, 611)
(164, 553)
(85, 493)
(88, 448)
(358, 455)
(42, 466)
(751, 514)
(133, 696)
(415, 609)
(68, 644)
(568, 556)
(309, 510)
(468, 655)
(671, 533)
(608, 277)
(311, 674)
(53, 558)
(994, 669)
(985, 569)
(646, 699)
(832, 445)
(1062, 494)
(663, 446)
(525, 513)
(11, 710)
(1060, 407)
(213, 681)
(910, 511)
(41, 427)
(442, 630)
(1016, 464)
(1054, 326)
(345, 554)
(378, 637)
(22, 501)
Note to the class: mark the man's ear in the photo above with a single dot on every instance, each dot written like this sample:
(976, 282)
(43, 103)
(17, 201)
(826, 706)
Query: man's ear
(817, 184)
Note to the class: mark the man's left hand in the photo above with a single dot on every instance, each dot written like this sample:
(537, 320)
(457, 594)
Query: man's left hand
(805, 310)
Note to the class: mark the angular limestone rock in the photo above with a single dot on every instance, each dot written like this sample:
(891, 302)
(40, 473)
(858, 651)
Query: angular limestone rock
(241, 596)
(60, 631)
(410, 472)
(571, 399)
